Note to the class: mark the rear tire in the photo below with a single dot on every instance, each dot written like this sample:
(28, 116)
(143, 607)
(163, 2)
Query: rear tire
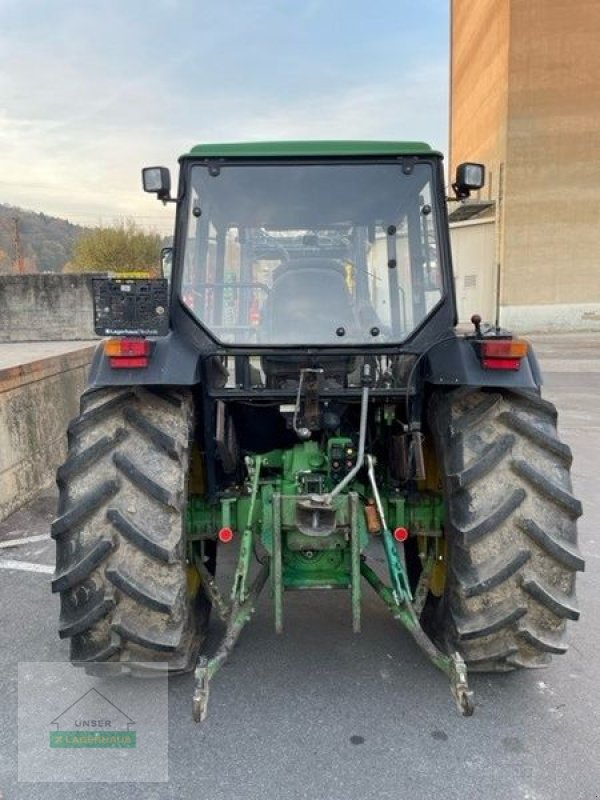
(120, 552)
(510, 527)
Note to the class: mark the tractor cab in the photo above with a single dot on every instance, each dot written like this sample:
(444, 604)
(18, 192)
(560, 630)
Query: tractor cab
(313, 253)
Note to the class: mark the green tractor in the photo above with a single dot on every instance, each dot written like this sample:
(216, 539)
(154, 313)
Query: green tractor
(298, 390)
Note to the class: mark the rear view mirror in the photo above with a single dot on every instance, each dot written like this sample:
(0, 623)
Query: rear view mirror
(158, 181)
(469, 177)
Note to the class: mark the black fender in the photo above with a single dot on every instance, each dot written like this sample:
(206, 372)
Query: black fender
(457, 363)
(173, 362)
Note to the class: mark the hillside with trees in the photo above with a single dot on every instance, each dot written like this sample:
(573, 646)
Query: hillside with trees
(46, 243)
(50, 244)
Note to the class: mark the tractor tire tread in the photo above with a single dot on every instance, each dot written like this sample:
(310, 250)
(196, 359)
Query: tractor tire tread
(511, 528)
(486, 461)
(491, 573)
(148, 595)
(475, 626)
(158, 437)
(561, 604)
(121, 568)
(566, 553)
(146, 484)
(150, 544)
(85, 506)
(84, 562)
(84, 617)
(472, 532)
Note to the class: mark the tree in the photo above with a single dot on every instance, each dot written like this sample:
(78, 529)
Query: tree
(122, 247)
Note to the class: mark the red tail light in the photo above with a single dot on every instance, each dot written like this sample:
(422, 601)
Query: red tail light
(129, 362)
(501, 363)
(503, 353)
(128, 353)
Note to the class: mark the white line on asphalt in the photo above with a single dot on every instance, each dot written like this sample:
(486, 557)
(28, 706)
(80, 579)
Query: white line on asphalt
(42, 537)
(25, 566)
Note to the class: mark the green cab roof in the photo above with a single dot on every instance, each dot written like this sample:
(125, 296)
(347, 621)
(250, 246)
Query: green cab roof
(318, 149)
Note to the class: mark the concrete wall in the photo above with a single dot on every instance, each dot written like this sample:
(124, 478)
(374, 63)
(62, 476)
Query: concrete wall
(46, 308)
(37, 400)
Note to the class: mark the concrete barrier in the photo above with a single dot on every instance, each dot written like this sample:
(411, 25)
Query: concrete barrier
(46, 307)
(37, 400)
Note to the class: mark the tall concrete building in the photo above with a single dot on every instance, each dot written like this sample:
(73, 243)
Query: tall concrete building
(525, 100)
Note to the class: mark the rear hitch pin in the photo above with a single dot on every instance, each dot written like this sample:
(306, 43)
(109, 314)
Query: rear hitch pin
(460, 687)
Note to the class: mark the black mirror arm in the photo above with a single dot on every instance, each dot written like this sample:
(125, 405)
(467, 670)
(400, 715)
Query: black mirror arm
(460, 192)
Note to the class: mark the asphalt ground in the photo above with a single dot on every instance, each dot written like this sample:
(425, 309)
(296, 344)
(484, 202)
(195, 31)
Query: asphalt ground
(321, 713)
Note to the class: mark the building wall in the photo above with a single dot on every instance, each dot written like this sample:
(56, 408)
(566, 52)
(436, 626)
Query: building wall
(526, 95)
(480, 37)
(473, 256)
(552, 207)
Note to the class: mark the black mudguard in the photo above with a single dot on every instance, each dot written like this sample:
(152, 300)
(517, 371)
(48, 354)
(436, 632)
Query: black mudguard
(173, 362)
(176, 362)
(457, 363)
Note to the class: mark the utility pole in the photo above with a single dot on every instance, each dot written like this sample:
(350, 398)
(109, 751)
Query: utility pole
(19, 263)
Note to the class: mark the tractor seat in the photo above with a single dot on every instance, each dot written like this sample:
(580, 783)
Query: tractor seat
(308, 302)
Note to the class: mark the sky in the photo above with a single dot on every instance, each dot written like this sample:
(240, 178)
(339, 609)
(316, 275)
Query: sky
(92, 91)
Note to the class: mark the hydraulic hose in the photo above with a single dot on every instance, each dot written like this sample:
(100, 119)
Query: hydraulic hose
(362, 435)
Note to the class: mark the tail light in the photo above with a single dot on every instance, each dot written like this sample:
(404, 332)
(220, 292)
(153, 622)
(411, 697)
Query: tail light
(503, 353)
(128, 353)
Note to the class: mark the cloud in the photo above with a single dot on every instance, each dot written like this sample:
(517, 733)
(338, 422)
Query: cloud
(415, 109)
(91, 92)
